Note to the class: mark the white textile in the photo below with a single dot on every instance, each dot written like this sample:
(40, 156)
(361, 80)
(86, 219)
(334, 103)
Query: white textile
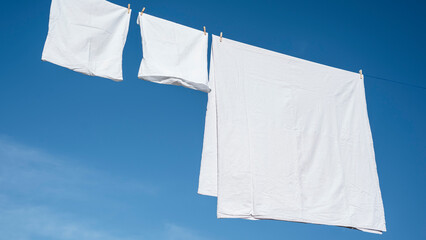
(87, 36)
(173, 54)
(288, 139)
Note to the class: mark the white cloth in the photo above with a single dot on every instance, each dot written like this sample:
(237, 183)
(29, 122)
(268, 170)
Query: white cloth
(288, 139)
(173, 54)
(87, 36)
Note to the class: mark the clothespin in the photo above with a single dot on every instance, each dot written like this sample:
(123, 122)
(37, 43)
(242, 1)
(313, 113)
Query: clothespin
(361, 76)
(204, 30)
(221, 34)
(143, 9)
(128, 8)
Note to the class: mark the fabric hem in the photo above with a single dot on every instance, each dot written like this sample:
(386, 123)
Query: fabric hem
(289, 219)
(176, 81)
(207, 193)
(79, 70)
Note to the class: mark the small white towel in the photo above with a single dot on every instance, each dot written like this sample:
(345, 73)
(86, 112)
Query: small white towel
(87, 36)
(288, 139)
(173, 54)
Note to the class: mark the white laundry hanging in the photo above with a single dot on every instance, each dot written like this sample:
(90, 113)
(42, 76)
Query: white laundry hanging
(87, 36)
(288, 139)
(173, 54)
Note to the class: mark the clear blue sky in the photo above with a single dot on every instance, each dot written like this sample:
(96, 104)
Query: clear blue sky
(86, 158)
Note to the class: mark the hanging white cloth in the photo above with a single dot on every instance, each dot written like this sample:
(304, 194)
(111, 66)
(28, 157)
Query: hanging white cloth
(288, 139)
(87, 36)
(173, 54)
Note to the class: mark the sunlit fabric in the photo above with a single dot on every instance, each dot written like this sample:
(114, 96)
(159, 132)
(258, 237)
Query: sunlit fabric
(288, 139)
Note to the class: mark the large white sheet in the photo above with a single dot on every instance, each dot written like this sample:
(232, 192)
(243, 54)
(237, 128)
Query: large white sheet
(87, 36)
(288, 139)
(173, 54)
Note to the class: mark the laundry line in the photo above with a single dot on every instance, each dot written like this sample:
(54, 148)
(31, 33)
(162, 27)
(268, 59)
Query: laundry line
(360, 71)
(397, 82)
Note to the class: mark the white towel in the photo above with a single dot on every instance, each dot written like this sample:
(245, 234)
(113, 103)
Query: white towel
(87, 36)
(288, 139)
(173, 54)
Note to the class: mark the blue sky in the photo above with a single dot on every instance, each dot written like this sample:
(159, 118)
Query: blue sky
(87, 158)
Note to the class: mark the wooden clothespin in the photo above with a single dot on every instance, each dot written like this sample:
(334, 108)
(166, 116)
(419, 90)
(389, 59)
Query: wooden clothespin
(221, 34)
(143, 9)
(361, 76)
(128, 8)
(204, 30)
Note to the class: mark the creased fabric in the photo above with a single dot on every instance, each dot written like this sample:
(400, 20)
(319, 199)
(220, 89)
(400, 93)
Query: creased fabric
(288, 139)
(173, 54)
(87, 36)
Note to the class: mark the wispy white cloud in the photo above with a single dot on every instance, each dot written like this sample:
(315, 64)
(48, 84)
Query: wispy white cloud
(33, 181)
(30, 222)
(175, 232)
(30, 171)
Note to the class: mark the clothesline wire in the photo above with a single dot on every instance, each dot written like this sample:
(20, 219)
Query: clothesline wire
(397, 82)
